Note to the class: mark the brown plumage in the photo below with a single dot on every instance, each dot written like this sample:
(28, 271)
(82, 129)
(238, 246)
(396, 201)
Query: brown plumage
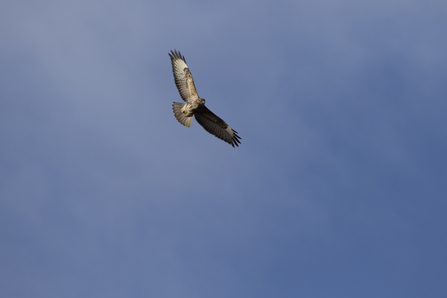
(195, 106)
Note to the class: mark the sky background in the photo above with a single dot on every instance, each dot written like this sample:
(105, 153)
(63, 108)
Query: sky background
(338, 189)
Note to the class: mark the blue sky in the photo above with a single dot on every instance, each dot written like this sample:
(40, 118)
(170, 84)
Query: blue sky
(337, 190)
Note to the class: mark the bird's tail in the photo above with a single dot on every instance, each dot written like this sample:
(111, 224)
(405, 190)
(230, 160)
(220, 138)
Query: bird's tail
(182, 118)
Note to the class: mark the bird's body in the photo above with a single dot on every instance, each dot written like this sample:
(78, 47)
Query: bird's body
(194, 105)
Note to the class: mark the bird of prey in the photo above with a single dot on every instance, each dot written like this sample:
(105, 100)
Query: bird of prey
(195, 106)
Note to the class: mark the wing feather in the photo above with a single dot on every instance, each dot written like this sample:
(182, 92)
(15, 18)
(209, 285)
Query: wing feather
(216, 126)
(182, 76)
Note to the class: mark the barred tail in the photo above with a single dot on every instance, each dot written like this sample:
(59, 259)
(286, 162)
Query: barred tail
(177, 108)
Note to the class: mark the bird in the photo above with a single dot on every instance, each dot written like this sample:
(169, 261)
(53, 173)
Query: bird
(194, 105)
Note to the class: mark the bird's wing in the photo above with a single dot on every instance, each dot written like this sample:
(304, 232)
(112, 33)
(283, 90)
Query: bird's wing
(216, 126)
(182, 76)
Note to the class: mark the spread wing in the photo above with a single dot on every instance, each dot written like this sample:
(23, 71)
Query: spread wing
(182, 76)
(216, 126)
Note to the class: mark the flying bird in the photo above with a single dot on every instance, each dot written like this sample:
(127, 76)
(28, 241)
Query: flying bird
(195, 106)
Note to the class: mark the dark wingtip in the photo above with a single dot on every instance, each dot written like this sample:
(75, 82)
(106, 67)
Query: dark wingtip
(176, 55)
(235, 140)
